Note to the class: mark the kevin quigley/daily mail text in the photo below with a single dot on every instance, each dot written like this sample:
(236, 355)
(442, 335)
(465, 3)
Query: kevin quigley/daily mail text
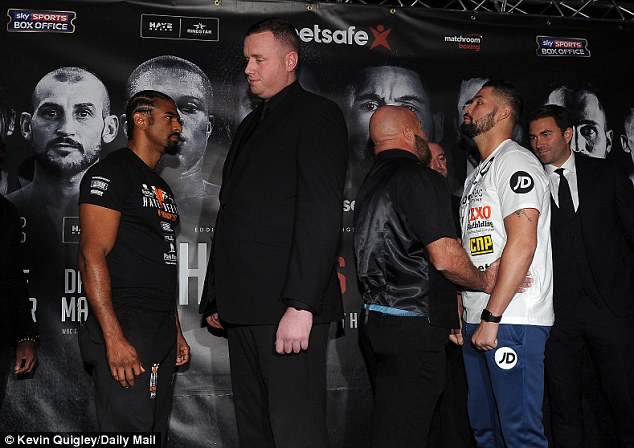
(81, 440)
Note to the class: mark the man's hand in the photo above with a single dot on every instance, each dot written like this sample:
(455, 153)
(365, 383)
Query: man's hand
(124, 362)
(293, 331)
(491, 275)
(182, 350)
(485, 337)
(456, 336)
(214, 321)
(25, 357)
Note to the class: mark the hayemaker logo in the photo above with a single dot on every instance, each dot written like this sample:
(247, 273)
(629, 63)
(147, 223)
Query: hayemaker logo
(21, 20)
(470, 42)
(562, 46)
(349, 36)
(71, 230)
(155, 26)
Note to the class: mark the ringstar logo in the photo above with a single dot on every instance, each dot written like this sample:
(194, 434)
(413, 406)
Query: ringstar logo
(349, 36)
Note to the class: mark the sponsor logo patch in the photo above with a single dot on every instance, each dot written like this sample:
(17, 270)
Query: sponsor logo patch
(505, 358)
(477, 213)
(481, 245)
(153, 380)
(521, 182)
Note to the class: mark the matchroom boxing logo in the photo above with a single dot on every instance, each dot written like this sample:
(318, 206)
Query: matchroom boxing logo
(471, 42)
(349, 36)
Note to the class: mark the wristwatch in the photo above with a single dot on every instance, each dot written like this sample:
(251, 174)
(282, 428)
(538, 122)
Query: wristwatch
(488, 317)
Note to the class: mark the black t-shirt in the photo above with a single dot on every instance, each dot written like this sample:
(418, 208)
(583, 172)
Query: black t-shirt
(142, 262)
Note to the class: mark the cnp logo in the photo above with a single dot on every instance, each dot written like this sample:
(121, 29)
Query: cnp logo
(505, 358)
(481, 245)
(476, 213)
(521, 182)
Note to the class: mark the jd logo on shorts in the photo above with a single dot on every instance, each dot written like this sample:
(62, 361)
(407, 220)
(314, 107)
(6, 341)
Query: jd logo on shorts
(521, 182)
(505, 358)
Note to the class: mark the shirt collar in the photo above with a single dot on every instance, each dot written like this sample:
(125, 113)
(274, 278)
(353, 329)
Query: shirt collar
(568, 165)
(396, 153)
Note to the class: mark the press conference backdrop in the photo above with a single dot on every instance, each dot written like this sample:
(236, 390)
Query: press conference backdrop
(360, 56)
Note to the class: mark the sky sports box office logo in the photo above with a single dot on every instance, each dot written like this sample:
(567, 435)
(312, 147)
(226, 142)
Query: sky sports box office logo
(28, 20)
(562, 46)
(178, 27)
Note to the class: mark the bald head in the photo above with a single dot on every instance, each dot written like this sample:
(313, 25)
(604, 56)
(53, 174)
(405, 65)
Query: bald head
(397, 127)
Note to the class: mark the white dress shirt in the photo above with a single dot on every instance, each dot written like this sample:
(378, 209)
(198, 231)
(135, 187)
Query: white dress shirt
(570, 171)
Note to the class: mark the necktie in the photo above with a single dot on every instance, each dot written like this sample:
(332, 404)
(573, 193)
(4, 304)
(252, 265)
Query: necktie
(564, 196)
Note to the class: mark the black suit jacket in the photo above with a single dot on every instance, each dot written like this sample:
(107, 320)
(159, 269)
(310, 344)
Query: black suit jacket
(279, 222)
(15, 314)
(606, 213)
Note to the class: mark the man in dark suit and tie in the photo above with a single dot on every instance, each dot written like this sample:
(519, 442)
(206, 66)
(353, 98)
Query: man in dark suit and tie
(592, 230)
(271, 279)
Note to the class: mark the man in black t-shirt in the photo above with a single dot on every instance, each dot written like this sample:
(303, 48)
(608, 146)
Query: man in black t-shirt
(127, 259)
(404, 240)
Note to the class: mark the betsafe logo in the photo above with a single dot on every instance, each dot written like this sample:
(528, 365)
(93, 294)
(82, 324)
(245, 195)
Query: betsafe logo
(349, 36)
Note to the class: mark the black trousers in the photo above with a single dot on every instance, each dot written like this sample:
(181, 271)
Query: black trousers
(406, 360)
(610, 340)
(280, 400)
(135, 409)
(6, 367)
(450, 425)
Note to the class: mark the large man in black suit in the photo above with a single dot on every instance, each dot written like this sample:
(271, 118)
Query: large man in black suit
(592, 230)
(271, 278)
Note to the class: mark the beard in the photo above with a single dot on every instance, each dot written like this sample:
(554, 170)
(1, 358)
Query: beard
(485, 124)
(69, 165)
(422, 150)
(171, 147)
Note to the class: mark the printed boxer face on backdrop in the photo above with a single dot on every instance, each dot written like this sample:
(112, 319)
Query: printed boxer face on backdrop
(70, 120)
(627, 139)
(381, 86)
(191, 90)
(591, 135)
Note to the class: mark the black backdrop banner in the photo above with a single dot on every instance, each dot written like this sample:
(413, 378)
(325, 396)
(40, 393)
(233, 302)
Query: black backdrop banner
(361, 56)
